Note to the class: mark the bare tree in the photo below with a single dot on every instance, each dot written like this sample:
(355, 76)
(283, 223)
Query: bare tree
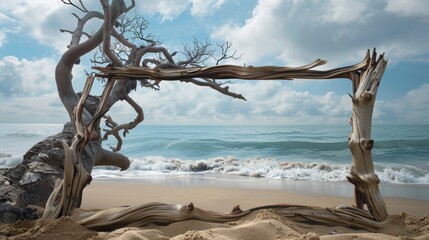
(132, 56)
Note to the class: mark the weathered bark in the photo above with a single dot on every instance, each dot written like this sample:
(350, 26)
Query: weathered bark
(86, 152)
(362, 173)
(67, 195)
(176, 73)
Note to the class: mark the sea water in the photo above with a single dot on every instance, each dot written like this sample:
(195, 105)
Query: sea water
(281, 153)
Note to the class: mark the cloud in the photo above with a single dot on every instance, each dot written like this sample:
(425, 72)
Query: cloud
(5, 28)
(41, 20)
(339, 11)
(26, 77)
(202, 8)
(411, 108)
(2, 38)
(45, 108)
(409, 7)
(170, 10)
(268, 103)
(297, 32)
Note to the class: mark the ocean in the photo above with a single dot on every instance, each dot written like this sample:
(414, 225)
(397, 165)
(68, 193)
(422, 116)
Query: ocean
(316, 153)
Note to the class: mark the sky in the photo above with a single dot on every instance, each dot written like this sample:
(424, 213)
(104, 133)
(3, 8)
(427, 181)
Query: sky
(264, 32)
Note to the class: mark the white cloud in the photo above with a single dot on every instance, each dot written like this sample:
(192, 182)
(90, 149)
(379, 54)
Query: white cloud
(170, 10)
(45, 108)
(339, 11)
(409, 7)
(268, 103)
(411, 108)
(204, 7)
(297, 32)
(41, 20)
(5, 27)
(26, 77)
(2, 38)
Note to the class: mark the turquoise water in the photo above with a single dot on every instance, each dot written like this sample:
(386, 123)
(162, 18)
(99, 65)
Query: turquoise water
(401, 153)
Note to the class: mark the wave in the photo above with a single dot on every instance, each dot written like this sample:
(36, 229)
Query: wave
(263, 168)
(23, 135)
(8, 160)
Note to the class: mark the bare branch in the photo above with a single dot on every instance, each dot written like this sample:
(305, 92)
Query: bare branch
(133, 4)
(122, 39)
(145, 50)
(196, 54)
(150, 60)
(81, 7)
(215, 86)
(115, 128)
(107, 34)
(225, 48)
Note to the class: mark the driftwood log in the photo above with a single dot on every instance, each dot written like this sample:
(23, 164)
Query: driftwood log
(365, 77)
(164, 214)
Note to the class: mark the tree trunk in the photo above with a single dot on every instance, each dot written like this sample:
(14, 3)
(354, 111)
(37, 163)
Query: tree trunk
(362, 173)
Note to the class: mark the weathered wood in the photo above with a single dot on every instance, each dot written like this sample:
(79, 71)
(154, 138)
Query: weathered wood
(362, 173)
(163, 214)
(365, 77)
(67, 195)
(231, 72)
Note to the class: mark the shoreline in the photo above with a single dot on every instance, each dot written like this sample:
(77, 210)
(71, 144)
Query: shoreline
(411, 191)
(102, 194)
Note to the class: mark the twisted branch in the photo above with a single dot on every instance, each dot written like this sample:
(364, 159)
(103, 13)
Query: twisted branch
(115, 128)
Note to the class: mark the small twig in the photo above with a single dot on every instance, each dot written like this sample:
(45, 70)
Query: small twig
(81, 8)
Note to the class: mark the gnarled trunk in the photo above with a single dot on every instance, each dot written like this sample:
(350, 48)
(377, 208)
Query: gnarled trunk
(362, 173)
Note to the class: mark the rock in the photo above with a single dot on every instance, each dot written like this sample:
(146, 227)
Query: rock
(32, 181)
(24, 189)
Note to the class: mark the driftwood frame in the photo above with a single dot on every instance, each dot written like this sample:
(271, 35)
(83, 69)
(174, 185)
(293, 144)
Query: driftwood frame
(365, 77)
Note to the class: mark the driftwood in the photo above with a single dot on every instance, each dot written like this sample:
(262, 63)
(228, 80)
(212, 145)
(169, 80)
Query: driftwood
(362, 173)
(365, 77)
(233, 71)
(67, 194)
(164, 214)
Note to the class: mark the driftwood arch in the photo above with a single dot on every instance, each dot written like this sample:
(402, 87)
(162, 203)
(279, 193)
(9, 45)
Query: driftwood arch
(365, 77)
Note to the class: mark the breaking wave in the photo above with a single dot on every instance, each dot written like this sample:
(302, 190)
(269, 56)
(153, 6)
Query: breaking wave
(8, 160)
(261, 168)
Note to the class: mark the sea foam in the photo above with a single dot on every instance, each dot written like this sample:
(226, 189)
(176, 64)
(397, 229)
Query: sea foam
(261, 168)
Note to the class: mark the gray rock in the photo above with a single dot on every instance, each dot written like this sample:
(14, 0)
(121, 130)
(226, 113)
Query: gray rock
(30, 183)
(24, 189)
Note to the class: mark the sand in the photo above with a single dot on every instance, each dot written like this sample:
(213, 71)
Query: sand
(408, 218)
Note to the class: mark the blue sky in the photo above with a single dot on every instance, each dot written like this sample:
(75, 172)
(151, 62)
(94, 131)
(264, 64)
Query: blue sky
(266, 32)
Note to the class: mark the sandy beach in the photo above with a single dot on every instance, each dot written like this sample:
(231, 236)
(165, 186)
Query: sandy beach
(408, 217)
(107, 194)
